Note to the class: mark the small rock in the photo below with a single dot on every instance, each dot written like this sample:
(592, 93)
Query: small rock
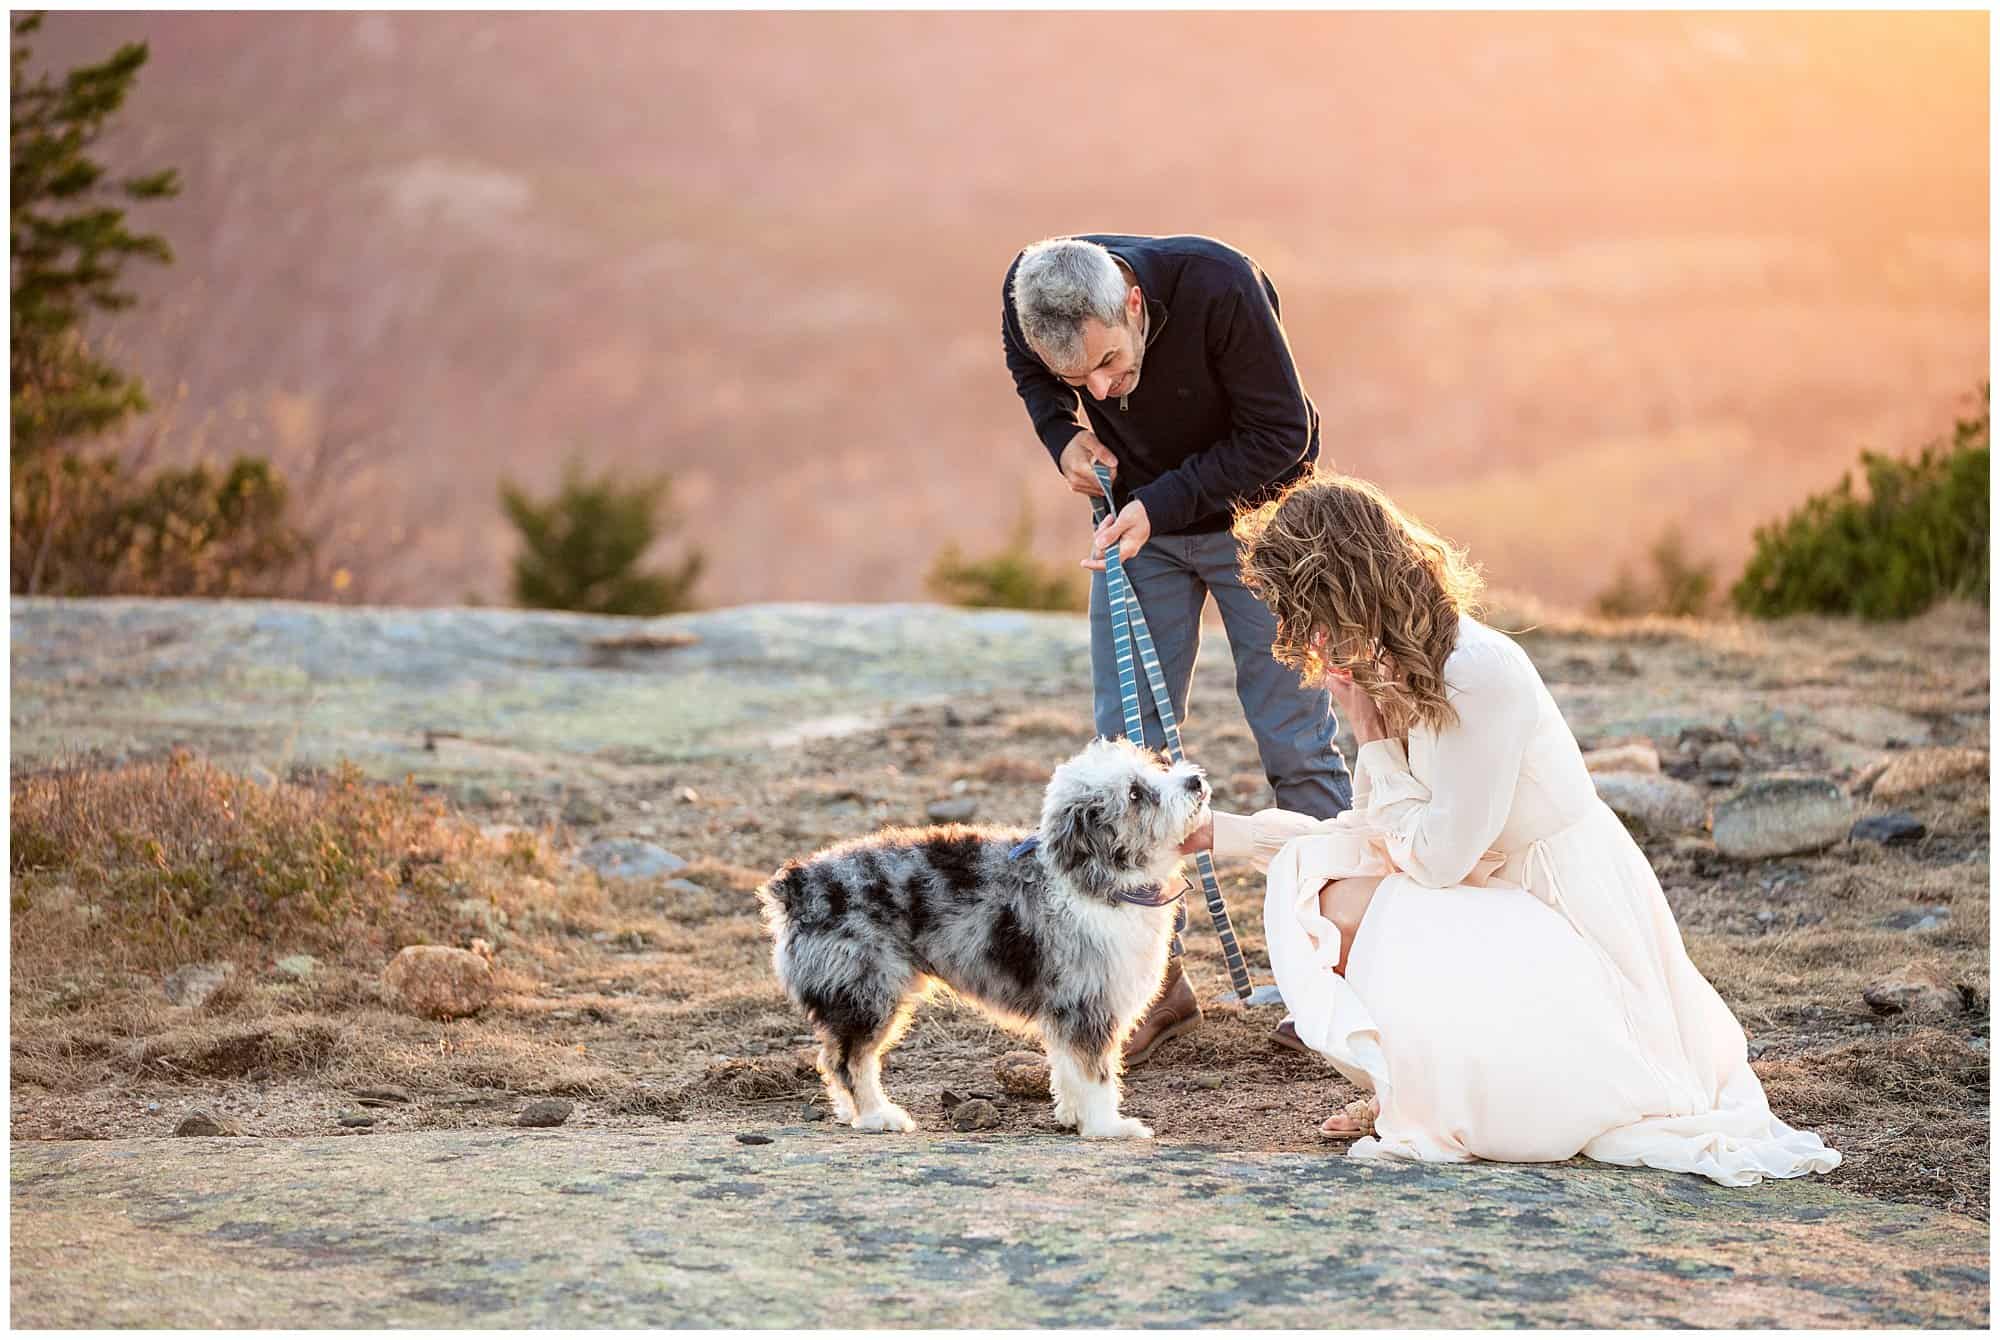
(545, 1112)
(629, 858)
(1915, 991)
(1722, 756)
(1623, 664)
(812, 1112)
(752, 1138)
(689, 796)
(582, 811)
(439, 982)
(195, 983)
(952, 811)
(1207, 1079)
(1777, 816)
(1890, 830)
(1623, 758)
(975, 1114)
(202, 1123)
(1024, 1074)
(358, 1119)
(1920, 769)
(1756, 1049)
(298, 967)
(1916, 919)
(384, 1095)
(261, 775)
(1658, 804)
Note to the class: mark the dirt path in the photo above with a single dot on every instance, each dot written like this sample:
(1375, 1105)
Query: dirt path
(688, 1227)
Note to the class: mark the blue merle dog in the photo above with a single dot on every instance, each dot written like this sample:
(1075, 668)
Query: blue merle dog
(1062, 932)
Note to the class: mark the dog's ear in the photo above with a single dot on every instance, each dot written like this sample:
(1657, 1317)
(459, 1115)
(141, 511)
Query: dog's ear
(1079, 843)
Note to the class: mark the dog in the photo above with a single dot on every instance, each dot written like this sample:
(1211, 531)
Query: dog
(1063, 932)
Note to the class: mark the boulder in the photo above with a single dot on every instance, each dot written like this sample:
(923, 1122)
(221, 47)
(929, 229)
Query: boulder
(1637, 757)
(1656, 803)
(439, 982)
(629, 858)
(952, 811)
(1920, 769)
(1780, 816)
(1915, 992)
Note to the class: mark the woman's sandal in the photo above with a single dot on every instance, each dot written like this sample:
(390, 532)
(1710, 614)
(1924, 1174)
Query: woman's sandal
(1360, 1118)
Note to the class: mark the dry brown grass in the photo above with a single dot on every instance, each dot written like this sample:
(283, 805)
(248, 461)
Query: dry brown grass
(152, 864)
(1908, 1111)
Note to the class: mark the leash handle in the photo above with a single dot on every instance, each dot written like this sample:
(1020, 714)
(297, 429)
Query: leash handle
(1132, 643)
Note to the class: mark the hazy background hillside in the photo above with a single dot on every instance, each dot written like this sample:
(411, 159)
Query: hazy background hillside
(1556, 281)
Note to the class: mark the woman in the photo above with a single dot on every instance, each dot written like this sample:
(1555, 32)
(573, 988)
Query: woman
(1478, 941)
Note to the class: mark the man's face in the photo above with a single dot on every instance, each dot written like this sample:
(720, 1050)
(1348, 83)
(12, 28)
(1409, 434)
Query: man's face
(1111, 354)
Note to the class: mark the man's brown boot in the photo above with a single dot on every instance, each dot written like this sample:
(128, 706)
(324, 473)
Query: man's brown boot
(1175, 1012)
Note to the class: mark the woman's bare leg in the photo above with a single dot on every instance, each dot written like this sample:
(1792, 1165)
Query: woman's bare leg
(1344, 902)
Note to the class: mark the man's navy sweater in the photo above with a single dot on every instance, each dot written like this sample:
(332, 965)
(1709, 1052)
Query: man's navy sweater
(1218, 420)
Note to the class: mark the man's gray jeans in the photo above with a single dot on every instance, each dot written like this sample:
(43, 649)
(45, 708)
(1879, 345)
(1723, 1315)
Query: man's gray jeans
(1173, 576)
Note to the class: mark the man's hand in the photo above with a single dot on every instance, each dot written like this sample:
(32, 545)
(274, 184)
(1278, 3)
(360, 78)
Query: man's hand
(1129, 529)
(1077, 457)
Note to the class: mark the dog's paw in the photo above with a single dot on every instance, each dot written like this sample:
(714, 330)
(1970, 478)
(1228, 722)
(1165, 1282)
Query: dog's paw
(1123, 1128)
(1065, 1115)
(891, 1118)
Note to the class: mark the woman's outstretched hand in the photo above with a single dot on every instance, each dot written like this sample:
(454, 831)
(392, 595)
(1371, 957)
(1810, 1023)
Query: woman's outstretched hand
(1202, 839)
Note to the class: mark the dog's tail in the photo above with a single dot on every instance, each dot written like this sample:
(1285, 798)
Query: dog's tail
(780, 896)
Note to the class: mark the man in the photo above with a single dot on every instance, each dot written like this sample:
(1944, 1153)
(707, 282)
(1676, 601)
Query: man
(1220, 422)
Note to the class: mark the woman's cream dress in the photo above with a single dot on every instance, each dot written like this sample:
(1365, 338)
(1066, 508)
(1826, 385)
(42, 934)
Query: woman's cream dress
(1517, 989)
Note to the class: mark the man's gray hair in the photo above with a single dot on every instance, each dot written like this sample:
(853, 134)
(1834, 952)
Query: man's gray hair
(1058, 283)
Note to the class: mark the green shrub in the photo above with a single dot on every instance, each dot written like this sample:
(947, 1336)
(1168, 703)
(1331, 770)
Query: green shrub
(580, 549)
(85, 526)
(1012, 578)
(1917, 536)
(1680, 585)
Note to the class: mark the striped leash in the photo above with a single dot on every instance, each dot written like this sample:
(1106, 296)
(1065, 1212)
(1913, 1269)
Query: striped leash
(1129, 634)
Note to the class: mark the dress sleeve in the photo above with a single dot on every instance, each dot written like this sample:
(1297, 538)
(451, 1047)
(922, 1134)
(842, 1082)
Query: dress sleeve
(1437, 831)
(1256, 838)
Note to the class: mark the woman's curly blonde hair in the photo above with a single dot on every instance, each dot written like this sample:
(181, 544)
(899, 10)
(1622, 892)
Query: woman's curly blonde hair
(1360, 585)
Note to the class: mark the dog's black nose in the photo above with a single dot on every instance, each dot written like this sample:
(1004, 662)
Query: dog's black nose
(1195, 782)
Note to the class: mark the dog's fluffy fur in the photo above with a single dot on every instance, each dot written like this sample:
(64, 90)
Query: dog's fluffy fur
(862, 930)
